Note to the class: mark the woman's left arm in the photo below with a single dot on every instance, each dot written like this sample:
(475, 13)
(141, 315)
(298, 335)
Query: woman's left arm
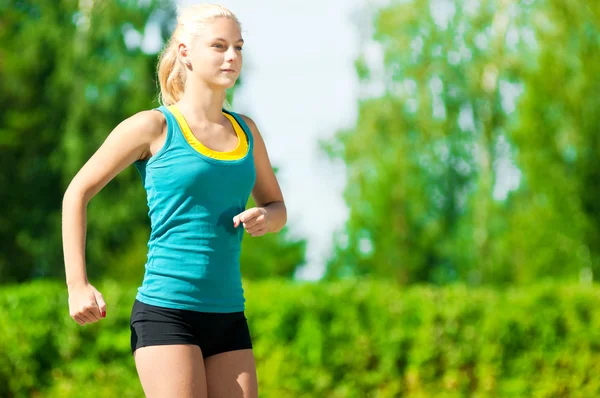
(270, 214)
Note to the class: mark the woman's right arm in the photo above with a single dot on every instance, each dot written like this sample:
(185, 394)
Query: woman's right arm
(137, 137)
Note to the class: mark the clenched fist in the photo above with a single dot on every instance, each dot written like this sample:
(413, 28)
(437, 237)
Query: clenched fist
(254, 220)
(86, 304)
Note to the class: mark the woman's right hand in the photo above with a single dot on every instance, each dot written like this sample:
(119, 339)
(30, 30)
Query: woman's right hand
(86, 304)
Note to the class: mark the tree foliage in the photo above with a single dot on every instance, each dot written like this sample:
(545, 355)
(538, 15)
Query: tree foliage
(478, 160)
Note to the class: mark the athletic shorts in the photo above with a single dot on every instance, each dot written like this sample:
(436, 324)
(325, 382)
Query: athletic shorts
(214, 333)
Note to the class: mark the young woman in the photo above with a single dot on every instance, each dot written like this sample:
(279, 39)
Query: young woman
(199, 163)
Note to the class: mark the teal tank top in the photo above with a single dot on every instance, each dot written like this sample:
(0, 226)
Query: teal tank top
(194, 249)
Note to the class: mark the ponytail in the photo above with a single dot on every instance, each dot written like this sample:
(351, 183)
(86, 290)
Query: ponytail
(171, 75)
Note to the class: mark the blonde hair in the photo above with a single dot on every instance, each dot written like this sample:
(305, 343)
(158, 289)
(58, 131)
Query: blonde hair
(171, 71)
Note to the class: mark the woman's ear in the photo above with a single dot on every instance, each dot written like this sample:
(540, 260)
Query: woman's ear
(183, 53)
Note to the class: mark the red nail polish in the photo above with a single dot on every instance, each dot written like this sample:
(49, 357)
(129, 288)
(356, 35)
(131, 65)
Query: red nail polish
(103, 314)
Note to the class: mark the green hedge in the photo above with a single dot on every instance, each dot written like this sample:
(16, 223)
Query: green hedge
(347, 339)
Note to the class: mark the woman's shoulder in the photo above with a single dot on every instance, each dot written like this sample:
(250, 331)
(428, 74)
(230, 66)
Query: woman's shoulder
(250, 123)
(143, 127)
(151, 122)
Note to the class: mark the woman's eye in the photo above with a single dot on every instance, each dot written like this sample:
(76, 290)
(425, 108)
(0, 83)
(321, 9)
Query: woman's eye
(238, 48)
(218, 45)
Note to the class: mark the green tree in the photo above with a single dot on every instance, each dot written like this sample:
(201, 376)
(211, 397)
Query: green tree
(429, 158)
(68, 78)
(556, 219)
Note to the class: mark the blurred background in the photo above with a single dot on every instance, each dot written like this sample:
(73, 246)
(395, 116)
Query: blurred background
(440, 162)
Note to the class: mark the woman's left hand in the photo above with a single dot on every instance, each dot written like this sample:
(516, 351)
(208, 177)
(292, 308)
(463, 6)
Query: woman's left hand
(254, 220)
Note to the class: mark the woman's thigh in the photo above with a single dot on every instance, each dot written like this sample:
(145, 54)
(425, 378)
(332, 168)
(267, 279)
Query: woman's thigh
(171, 371)
(231, 374)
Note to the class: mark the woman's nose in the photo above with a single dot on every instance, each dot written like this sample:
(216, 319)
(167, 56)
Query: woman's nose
(231, 54)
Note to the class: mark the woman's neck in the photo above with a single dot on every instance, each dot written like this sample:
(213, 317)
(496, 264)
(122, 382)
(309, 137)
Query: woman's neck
(201, 102)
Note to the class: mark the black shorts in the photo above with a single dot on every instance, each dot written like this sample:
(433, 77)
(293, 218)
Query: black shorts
(214, 333)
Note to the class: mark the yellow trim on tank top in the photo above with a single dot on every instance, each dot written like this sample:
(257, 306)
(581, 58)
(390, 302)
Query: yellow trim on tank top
(239, 152)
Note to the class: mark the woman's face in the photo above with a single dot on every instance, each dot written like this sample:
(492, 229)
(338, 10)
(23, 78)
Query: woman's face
(216, 56)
